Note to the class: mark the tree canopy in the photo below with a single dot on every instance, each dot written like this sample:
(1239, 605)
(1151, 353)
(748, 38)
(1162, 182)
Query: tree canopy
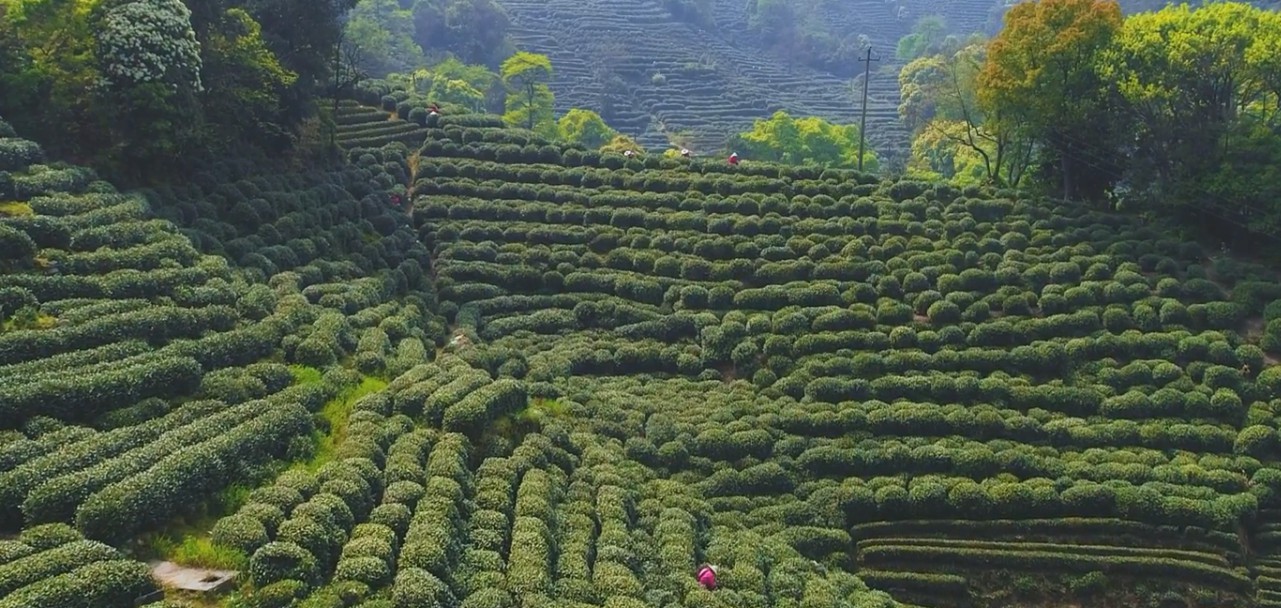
(529, 99)
(585, 127)
(954, 135)
(808, 140)
(1039, 71)
(1171, 111)
(142, 88)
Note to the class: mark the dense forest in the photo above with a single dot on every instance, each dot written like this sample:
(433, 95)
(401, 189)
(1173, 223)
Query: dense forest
(466, 304)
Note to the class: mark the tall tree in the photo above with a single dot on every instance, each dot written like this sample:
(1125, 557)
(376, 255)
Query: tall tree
(941, 106)
(244, 82)
(1041, 71)
(150, 62)
(1203, 87)
(1187, 75)
(386, 33)
(47, 64)
(302, 34)
(529, 100)
(475, 31)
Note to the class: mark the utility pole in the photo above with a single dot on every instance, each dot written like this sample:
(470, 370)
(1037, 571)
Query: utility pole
(862, 123)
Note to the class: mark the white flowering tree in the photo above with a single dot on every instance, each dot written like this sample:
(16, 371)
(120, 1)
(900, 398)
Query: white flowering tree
(149, 63)
(149, 41)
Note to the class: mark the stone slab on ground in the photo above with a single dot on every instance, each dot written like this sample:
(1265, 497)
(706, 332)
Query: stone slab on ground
(200, 580)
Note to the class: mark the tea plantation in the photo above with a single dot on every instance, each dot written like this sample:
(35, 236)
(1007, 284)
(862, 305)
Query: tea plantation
(669, 78)
(567, 379)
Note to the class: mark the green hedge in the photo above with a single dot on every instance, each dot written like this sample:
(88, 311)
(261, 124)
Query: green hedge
(472, 413)
(103, 584)
(74, 457)
(53, 562)
(986, 559)
(188, 475)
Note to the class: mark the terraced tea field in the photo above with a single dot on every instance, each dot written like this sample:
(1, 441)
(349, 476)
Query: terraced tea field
(966, 399)
(571, 378)
(653, 77)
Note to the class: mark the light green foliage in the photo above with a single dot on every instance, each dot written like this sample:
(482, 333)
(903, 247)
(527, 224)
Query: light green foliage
(529, 100)
(1217, 140)
(585, 127)
(954, 136)
(384, 33)
(808, 140)
(621, 143)
(928, 36)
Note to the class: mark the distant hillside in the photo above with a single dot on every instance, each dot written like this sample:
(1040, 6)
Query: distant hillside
(654, 76)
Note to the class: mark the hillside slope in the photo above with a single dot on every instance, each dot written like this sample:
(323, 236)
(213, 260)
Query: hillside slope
(966, 399)
(142, 375)
(578, 376)
(653, 76)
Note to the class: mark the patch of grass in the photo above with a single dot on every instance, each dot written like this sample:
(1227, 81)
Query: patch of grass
(541, 409)
(185, 541)
(15, 209)
(335, 414)
(306, 375)
(528, 419)
(201, 552)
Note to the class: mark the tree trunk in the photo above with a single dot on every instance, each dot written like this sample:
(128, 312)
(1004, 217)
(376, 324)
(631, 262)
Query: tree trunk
(1065, 168)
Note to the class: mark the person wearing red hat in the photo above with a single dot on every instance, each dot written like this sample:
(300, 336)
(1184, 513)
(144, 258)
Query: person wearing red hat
(707, 577)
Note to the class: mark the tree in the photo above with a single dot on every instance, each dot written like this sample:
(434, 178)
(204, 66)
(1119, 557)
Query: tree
(1203, 87)
(530, 101)
(138, 87)
(1041, 71)
(302, 34)
(386, 33)
(47, 64)
(347, 71)
(940, 104)
(244, 83)
(809, 140)
(927, 37)
(150, 63)
(585, 127)
(149, 41)
(478, 79)
(475, 31)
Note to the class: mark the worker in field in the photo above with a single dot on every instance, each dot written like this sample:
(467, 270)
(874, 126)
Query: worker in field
(707, 576)
(629, 153)
(685, 152)
(733, 159)
(435, 109)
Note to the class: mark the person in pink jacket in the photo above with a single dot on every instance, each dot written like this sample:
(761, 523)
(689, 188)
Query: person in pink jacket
(707, 576)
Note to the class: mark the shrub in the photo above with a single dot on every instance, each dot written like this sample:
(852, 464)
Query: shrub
(279, 561)
(368, 570)
(240, 532)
